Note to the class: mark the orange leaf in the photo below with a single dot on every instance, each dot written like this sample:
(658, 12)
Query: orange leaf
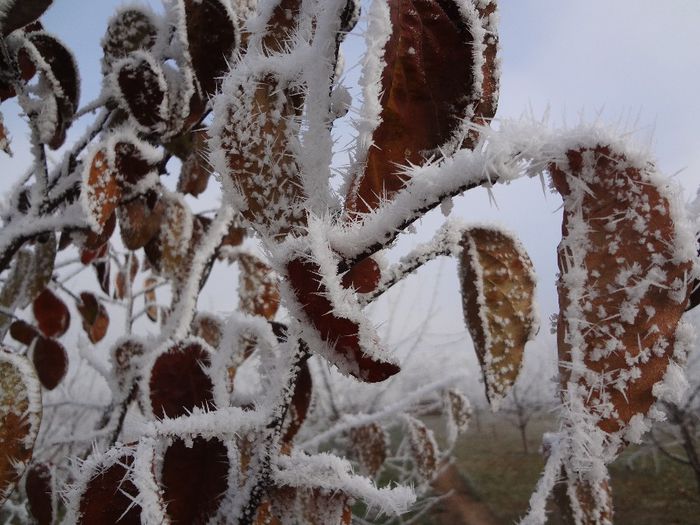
(101, 190)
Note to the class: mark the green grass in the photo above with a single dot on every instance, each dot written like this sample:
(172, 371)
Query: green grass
(504, 477)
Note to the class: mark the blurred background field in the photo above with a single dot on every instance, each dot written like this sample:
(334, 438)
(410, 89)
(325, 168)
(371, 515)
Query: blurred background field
(648, 487)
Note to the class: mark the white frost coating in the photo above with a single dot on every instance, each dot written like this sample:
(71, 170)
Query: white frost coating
(150, 494)
(333, 474)
(446, 241)
(230, 354)
(478, 29)
(373, 63)
(393, 411)
(316, 153)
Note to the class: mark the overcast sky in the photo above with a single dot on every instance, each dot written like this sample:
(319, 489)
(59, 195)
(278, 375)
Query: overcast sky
(630, 60)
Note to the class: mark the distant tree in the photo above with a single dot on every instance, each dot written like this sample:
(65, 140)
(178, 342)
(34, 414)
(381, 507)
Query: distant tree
(202, 415)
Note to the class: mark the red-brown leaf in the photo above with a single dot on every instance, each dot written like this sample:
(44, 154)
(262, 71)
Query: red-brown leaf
(301, 399)
(51, 313)
(95, 316)
(212, 37)
(178, 382)
(19, 13)
(39, 491)
(339, 333)
(195, 479)
(109, 496)
(50, 361)
(143, 89)
(23, 332)
(363, 277)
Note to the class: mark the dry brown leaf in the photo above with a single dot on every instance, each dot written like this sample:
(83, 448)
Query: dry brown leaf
(258, 292)
(139, 222)
(582, 502)
(619, 237)
(150, 300)
(430, 89)
(20, 413)
(259, 160)
(498, 286)
(423, 448)
(369, 443)
(95, 316)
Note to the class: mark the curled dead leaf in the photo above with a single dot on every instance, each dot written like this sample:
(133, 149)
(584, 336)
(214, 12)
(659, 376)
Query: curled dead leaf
(498, 292)
(39, 489)
(95, 316)
(423, 448)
